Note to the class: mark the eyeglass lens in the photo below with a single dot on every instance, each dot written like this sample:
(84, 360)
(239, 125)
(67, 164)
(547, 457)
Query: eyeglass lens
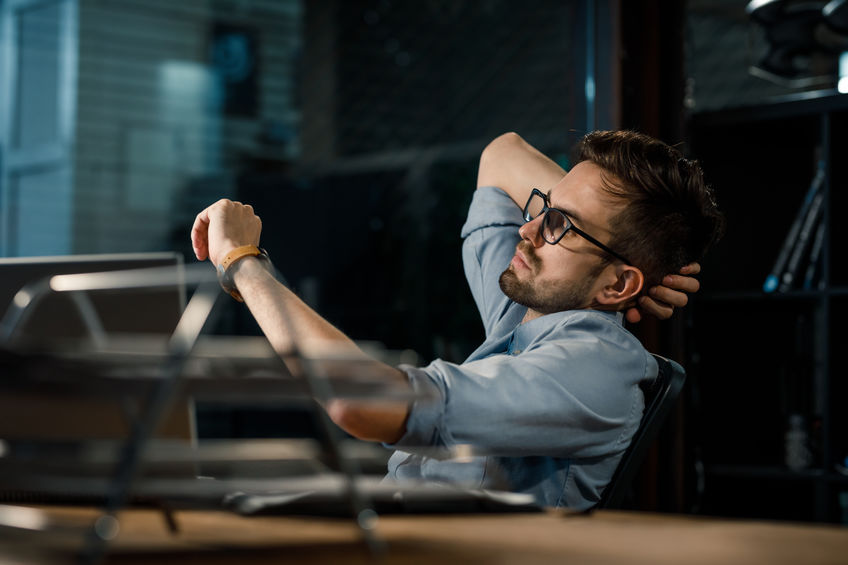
(553, 225)
(535, 205)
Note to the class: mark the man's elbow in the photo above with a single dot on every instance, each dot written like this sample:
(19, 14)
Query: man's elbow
(367, 421)
(346, 416)
(504, 142)
(508, 138)
(493, 156)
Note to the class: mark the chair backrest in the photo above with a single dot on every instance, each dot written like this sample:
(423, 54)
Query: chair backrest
(660, 396)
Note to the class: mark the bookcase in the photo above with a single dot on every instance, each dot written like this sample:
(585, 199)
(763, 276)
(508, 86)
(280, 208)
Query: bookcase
(758, 359)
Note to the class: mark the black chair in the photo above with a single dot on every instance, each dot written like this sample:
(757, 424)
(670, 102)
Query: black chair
(660, 396)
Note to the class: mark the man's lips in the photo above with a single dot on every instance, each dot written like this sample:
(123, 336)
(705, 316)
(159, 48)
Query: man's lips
(525, 258)
(519, 261)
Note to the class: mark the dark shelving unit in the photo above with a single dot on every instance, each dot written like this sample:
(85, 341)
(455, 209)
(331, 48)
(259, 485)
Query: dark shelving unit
(757, 358)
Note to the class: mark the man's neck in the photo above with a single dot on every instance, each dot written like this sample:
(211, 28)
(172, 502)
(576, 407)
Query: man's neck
(531, 315)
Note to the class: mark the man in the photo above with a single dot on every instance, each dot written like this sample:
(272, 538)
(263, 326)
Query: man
(551, 399)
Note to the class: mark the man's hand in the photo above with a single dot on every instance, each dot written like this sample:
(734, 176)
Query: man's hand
(662, 299)
(222, 227)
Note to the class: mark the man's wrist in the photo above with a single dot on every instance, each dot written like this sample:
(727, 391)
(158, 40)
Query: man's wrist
(232, 262)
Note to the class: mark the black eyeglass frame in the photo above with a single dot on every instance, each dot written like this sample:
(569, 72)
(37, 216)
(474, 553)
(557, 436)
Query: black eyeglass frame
(569, 226)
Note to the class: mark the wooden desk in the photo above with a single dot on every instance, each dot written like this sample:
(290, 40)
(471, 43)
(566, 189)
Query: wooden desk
(604, 537)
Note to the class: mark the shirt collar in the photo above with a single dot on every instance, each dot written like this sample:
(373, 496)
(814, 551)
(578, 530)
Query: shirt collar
(528, 332)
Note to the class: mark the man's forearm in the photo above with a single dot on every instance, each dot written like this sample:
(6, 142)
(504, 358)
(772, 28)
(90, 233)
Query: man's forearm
(279, 312)
(515, 166)
(293, 327)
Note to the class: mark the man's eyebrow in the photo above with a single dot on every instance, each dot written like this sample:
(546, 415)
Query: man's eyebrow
(573, 216)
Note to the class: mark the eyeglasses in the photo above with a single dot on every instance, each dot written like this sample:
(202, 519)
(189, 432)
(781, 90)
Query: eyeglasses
(556, 223)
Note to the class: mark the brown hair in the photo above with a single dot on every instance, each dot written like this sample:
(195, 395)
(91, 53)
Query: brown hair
(671, 218)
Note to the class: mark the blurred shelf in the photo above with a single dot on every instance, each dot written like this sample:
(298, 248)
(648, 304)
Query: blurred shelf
(762, 356)
(776, 472)
(791, 105)
(730, 295)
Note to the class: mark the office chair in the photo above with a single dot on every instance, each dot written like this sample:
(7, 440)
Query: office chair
(660, 396)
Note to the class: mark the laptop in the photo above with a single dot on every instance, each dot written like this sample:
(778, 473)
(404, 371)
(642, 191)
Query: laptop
(146, 312)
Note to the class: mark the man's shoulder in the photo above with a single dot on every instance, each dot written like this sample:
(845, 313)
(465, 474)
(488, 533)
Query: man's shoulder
(599, 340)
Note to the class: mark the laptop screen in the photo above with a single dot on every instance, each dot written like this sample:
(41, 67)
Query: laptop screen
(139, 311)
(150, 311)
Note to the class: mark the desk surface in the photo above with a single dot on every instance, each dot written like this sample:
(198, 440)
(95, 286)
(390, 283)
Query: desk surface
(604, 537)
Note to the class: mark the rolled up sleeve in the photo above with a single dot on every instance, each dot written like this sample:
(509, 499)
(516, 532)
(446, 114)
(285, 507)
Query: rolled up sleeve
(578, 398)
(490, 235)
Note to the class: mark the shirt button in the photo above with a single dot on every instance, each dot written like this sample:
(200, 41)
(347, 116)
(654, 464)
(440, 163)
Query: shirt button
(516, 351)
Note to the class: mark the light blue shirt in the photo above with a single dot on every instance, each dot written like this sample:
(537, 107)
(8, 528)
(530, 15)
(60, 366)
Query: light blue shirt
(552, 403)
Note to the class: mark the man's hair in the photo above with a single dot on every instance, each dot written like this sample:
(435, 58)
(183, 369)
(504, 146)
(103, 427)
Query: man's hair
(671, 217)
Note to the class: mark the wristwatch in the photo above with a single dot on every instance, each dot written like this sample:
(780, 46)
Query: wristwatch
(227, 268)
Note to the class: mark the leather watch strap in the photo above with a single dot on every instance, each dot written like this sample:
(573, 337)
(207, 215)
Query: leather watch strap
(236, 254)
(226, 268)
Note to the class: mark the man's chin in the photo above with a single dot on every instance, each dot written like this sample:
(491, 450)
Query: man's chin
(516, 275)
(511, 286)
(524, 293)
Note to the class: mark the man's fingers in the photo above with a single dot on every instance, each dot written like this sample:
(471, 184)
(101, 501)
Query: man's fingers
(200, 234)
(633, 316)
(223, 226)
(691, 269)
(673, 292)
(658, 310)
(681, 283)
(669, 296)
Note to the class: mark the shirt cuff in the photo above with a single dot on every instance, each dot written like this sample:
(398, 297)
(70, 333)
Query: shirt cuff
(491, 206)
(425, 415)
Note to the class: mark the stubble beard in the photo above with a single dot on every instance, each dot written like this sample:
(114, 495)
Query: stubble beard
(545, 297)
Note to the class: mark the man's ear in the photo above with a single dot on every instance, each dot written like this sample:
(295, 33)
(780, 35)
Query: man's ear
(626, 286)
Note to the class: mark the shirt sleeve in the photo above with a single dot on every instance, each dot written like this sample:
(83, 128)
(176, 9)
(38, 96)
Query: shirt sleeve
(577, 397)
(490, 235)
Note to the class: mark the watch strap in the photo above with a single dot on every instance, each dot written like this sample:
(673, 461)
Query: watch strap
(227, 269)
(236, 254)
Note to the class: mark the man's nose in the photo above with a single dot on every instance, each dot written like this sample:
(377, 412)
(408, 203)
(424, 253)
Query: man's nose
(532, 231)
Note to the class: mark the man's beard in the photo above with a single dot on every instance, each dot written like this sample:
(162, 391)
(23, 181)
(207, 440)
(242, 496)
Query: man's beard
(548, 296)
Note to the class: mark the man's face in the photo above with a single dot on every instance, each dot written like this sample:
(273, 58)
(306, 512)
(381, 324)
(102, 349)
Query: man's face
(552, 278)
